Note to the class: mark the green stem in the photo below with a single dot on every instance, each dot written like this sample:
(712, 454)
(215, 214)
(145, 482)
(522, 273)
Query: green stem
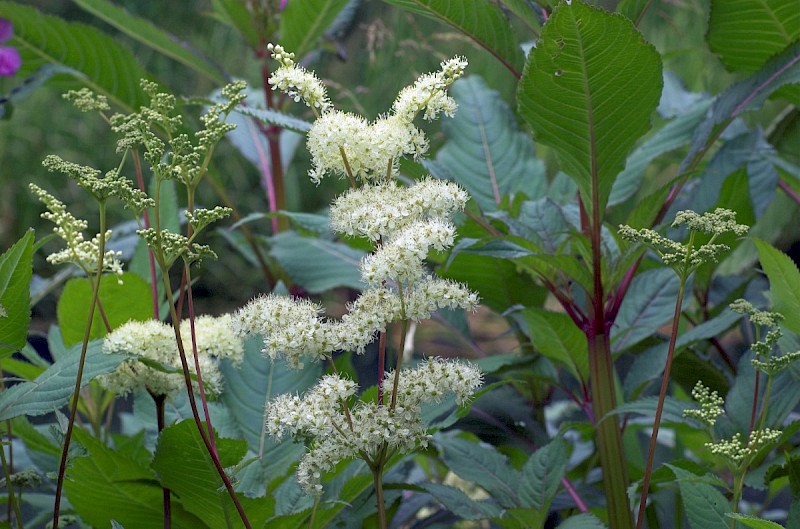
(661, 398)
(62, 469)
(159, 402)
(11, 499)
(377, 476)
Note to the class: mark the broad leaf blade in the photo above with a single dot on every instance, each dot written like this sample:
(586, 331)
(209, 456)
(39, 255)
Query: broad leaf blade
(96, 60)
(460, 504)
(784, 283)
(480, 20)
(486, 152)
(302, 23)
(53, 388)
(745, 34)
(705, 506)
(151, 36)
(588, 90)
(541, 475)
(16, 269)
(557, 337)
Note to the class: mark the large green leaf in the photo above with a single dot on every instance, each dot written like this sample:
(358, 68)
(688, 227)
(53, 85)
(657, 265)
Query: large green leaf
(753, 521)
(746, 95)
(316, 264)
(186, 468)
(96, 60)
(302, 23)
(129, 301)
(745, 33)
(672, 411)
(541, 475)
(784, 283)
(582, 521)
(481, 20)
(53, 388)
(108, 485)
(151, 36)
(460, 504)
(485, 150)
(16, 269)
(588, 90)
(556, 336)
(482, 464)
(705, 506)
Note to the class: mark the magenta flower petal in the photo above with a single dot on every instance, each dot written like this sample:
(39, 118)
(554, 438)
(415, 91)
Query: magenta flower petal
(6, 29)
(10, 61)
(282, 5)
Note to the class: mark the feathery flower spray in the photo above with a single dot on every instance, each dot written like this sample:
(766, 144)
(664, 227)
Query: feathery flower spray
(404, 223)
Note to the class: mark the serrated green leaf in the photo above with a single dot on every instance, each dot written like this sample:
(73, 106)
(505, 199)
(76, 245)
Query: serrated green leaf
(486, 152)
(753, 521)
(236, 15)
(745, 33)
(151, 36)
(526, 11)
(316, 264)
(274, 117)
(671, 136)
(480, 20)
(672, 411)
(746, 95)
(705, 505)
(482, 464)
(556, 336)
(582, 521)
(460, 504)
(129, 301)
(784, 283)
(541, 475)
(52, 389)
(107, 485)
(186, 468)
(649, 304)
(16, 269)
(95, 60)
(588, 90)
(303, 23)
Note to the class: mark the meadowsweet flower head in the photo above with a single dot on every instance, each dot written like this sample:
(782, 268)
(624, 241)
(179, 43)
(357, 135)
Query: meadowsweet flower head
(715, 222)
(374, 309)
(10, 59)
(153, 341)
(215, 337)
(333, 134)
(319, 419)
(736, 451)
(297, 82)
(711, 405)
(80, 252)
(429, 94)
(86, 100)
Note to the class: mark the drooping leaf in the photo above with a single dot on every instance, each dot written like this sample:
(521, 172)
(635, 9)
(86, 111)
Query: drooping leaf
(52, 389)
(303, 23)
(526, 11)
(784, 283)
(16, 269)
(546, 224)
(541, 476)
(107, 485)
(671, 413)
(186, 468)
(482, 464)
(705, 506)
(94, 59)
(316, 264)
(460, 504)
(129, 301)
(746, 34)
(151, 36)
(673, 135)
(588, 90)
(748, 94)
(236, 15)
(480, 20)
(649, 304)
(485, 150)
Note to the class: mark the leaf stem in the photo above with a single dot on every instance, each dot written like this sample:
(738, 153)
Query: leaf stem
(12, 500)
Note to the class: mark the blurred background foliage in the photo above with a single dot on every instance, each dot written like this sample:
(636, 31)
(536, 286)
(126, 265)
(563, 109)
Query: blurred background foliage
(365, 64)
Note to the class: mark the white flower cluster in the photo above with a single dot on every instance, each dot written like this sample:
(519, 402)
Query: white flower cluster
(334, 436)
(347, 145)
(154, 341)
(736, 451)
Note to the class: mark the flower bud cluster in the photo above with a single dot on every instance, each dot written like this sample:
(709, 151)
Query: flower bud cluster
(152, 341)
(321, 419)
(711, 405)
(80, 252)
(297, 82)
(685, 258)
(737, 451)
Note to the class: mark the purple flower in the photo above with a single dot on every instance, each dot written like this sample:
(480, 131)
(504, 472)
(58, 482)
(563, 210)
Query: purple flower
(10, 61)
(282, 5)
